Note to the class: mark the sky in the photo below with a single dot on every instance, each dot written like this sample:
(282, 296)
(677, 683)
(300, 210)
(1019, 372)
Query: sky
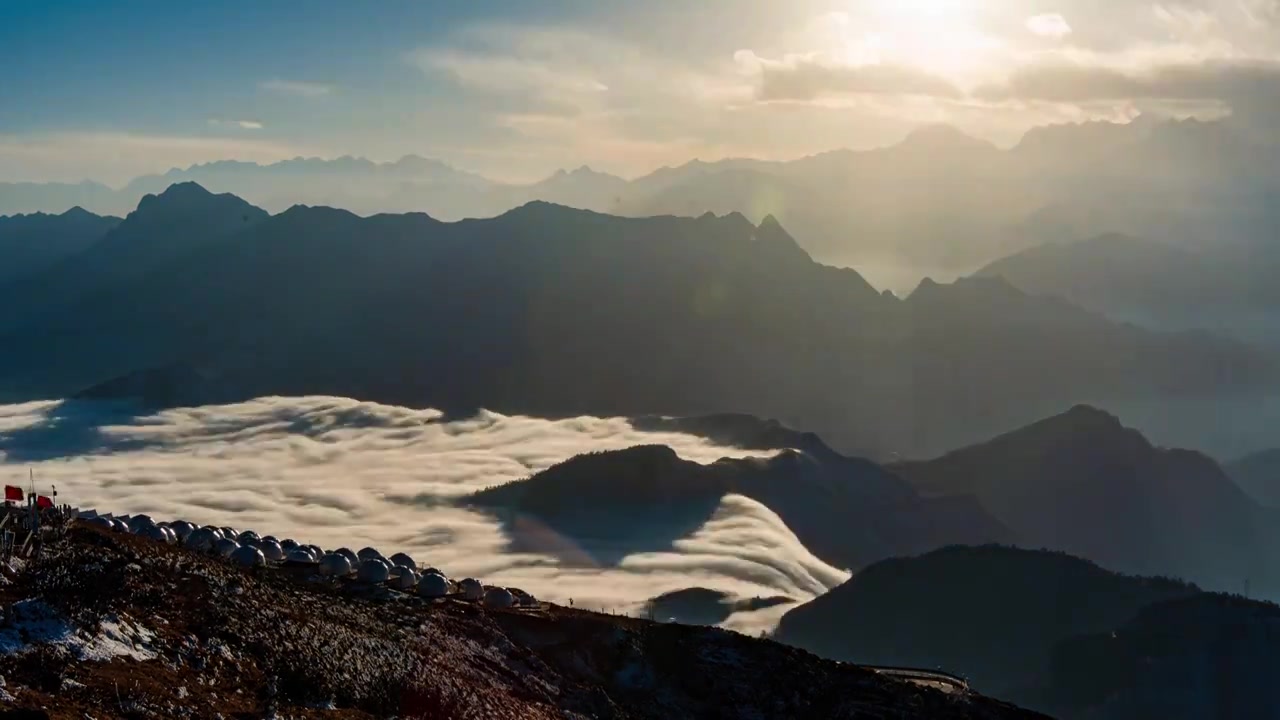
(514, 89)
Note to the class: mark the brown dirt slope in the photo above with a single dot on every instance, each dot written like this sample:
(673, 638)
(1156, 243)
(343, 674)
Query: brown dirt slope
(107, 625)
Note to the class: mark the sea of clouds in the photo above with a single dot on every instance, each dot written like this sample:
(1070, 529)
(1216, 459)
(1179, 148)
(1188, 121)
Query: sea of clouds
(338, 472)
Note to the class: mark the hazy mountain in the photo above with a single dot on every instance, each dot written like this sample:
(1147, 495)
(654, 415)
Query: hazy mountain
(1201, 656)
(164, 228)
(1259, 475)
(847, 511)
(1116, 273)
(992, 614)
(30, 243)
(57, 198)
(1083, 483)
(552, 311)
(939, 199)
(1225, 288)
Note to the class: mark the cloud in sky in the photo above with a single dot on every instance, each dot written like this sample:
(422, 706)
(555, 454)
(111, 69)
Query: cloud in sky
(297, 88)
(242, 124)
(1051, 25)
(1222, 80)
(809, 78)
(337, 472)
(629, 88)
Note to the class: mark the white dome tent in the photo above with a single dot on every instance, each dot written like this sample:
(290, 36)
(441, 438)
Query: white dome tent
(350, 555)
(225, 547)
(407, 580)
(498, 598)
(368, 552)
(202, 539)
(248, 536)
(182, 528)
(155, 532)
(271, 550)
(471, 589)
(248, 556)
(335, 565)
(373, 571)
(404, 560)
(139, 523)
(119, 525)
(298, 556)
(433, 585)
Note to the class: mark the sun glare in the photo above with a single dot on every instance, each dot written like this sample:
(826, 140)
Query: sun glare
(935, 35)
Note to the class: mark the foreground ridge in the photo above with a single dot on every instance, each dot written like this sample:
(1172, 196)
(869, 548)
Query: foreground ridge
(109, 622)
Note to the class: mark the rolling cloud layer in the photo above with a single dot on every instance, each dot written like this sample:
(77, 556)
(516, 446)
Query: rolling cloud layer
(338, 472)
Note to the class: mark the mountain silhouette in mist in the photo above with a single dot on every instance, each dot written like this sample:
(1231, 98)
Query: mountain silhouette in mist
(1083, 483)
(847, 511)
(164, 228)
(553, 311)
(991, 614)
(1259, 475)
(31, 243)
(1220, 287)
(938, 199)
(1200, 656)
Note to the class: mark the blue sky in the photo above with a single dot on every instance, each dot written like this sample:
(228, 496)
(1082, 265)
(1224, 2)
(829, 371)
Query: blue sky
(516, 89)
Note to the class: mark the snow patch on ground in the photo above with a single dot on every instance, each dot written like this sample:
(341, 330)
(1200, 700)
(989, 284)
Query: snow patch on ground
(33, 623)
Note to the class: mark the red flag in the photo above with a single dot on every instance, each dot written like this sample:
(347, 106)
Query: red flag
(12, 493)
(43, 502)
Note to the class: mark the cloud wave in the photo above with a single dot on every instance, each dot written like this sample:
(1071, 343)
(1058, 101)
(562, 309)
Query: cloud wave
(334, 471)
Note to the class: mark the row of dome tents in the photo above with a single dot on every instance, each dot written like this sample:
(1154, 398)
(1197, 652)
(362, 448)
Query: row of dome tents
(368, 566)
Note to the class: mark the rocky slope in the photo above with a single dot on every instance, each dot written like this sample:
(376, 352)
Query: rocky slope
(110, 625)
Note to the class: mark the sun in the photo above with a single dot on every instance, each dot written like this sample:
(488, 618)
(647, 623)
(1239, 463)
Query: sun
(941, 36)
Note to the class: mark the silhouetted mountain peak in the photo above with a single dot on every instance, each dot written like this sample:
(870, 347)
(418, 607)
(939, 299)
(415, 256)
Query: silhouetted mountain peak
(188, 201)
(942, 137)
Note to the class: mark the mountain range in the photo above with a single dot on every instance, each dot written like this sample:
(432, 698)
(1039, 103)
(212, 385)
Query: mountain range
(1054, 633)
(1225, 288)
(553, 311)
(938, 199)
(1083, 483)
(31, 243)
(1079, 482)
(847, 511)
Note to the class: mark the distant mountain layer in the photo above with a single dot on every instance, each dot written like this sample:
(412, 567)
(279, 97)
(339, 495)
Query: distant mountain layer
(847, 511)
(1054, 633)
(1083, 483)
(991, 614)
(1215, 286)
(32, 243)
(1259, 475)
(552, 311)
(938, 199)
